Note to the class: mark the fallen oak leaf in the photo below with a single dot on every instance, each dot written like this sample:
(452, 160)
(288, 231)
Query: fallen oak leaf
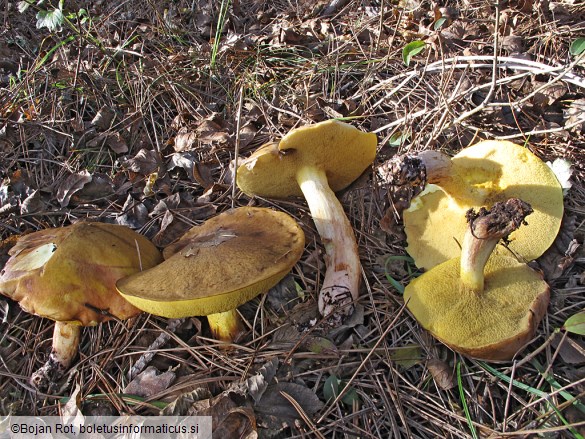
(72, 184)
(145, 162)
(150, 382)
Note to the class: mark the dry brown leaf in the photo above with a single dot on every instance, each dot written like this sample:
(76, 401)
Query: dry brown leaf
(103, 118)
(283, 296)
(258, 383)
(185, 140)
(174, 226)
(442, 373)
(247, 134)
(72, 184)
(117, 143)
(561, 253)
(150, 382)
(575, 116)
(240, 423)
(571, 350)
(71, 411)
(134, 214)
(145, 162)
(274, 409)
(184, 404)
(100, 187)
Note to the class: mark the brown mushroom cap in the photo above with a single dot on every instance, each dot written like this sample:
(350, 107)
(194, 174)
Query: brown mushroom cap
(69, 274)
(343, 151)
(219, 265)
(484, 174)
(492, 325)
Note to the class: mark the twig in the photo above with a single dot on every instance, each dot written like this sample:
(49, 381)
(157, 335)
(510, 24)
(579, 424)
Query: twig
(237, 147)
(492, 88)
(302, 414)
(528, 67)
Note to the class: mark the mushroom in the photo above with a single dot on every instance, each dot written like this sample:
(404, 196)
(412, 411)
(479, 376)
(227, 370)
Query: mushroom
(480, 304)
(480, 175)
(217, 266)
(68, 274)
(316, 161)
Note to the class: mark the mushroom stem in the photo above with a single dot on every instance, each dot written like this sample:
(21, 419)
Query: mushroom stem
(225, 326)
(340, 287)
(485, 230)
(66, 338)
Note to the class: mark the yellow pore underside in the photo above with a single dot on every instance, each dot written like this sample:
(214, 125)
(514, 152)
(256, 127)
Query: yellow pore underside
(507, 311)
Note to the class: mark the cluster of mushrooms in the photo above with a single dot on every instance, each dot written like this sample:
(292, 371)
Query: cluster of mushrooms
(483, 305)
(480, 299)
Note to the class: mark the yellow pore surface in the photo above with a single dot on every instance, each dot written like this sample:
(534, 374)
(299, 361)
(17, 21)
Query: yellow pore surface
(502, 317)
(486, 173)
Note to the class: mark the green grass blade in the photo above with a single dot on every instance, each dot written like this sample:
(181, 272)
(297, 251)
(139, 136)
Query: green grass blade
(223, 10)
(567, 396)
(464, 402)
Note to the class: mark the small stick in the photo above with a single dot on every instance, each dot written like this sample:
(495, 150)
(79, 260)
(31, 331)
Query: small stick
(237, 147)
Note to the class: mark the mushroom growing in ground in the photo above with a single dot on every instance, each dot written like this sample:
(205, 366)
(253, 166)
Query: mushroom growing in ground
(316, 161)
(218, 266)
(480, 304)
(480, 175)
(68, 274)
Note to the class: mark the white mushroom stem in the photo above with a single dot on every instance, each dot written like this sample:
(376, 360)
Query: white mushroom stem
(483, 234)
(340, 288)
(66, 338)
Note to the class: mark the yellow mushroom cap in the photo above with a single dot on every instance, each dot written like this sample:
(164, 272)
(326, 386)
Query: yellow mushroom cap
(492, 325)
(69, 274)
(486, 173)
(343, 151)
(219, 265)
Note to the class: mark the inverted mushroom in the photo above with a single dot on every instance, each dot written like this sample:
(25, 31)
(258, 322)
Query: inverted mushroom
(480, 304)
(316, 161)
(218, 266)
(481, 175)
(68, 274)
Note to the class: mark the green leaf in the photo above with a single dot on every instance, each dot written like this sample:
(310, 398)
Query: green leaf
(52, 20)
(407, 356)
(334, 386)
(576, 323)
(331, 388)
(439, 23)
(577, 47)
(399, 138)
(411, 49)
(320, 345)
(23, 5)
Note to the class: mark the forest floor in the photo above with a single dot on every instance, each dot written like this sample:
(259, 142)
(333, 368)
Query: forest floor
(131, 113)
